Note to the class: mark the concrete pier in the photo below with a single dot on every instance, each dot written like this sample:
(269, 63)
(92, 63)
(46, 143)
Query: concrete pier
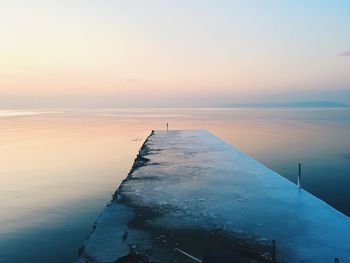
(189, 191)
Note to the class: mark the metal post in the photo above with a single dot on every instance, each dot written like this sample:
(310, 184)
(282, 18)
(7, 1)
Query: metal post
(188, 255)
(299, 176)
(273, 252)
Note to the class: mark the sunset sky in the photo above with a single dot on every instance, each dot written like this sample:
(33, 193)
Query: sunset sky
(172, 53)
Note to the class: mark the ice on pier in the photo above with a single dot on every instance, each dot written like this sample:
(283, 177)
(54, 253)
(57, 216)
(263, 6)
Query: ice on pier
(193, 180)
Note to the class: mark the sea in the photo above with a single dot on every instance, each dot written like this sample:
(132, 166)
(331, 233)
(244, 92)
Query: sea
(59, 168)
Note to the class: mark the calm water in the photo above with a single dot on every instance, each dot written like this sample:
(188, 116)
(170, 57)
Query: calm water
(59, 169)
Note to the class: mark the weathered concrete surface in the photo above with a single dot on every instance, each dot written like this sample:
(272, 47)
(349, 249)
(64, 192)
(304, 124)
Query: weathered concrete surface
(190, 190)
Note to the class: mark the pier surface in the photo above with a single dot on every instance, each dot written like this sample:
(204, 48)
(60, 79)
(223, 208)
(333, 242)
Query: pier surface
(191, 191)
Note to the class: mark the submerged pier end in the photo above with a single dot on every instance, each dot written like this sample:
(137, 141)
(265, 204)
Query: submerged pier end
(189, 191)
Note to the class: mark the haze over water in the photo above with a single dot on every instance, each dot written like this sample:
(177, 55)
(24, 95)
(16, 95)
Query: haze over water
(60, 168)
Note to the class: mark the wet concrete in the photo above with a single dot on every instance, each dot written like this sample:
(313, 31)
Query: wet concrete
(190, 191)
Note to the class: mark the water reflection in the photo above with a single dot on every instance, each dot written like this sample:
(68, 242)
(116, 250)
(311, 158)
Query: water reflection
(59, 169)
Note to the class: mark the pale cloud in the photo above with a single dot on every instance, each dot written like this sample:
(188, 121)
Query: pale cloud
(345, 53)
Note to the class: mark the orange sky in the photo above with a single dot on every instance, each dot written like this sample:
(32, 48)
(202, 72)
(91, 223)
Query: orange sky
(149, 51)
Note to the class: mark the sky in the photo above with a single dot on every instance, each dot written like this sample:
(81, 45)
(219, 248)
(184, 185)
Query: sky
(176, 53)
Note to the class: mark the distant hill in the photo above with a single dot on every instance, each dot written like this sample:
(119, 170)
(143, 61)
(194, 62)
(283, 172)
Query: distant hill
(297, 104)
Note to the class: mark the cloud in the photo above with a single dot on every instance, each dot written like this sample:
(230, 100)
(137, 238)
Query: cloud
(345, 53)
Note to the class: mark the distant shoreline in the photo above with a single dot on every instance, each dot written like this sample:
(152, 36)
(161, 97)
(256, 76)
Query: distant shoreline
(297, 104)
